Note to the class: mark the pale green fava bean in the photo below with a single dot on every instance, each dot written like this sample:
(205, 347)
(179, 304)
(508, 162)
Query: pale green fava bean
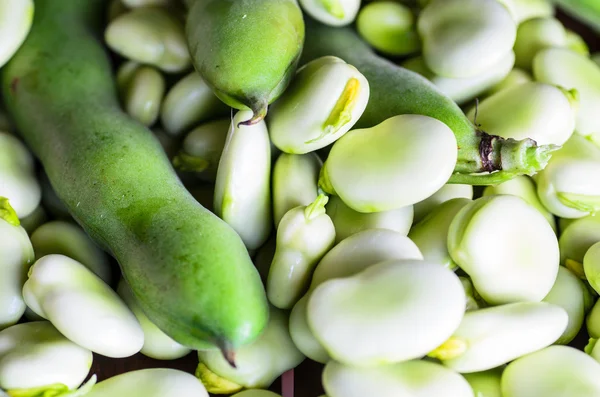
(593, 349)
(464, 89)
(332, 12)
(125, 73)
(446, 193)
(523, 10)
(592, 321)
(486, 383)
(576, 240)
(566, 68)
(202, 148)
(576, 43)
(568, 186)
(155, 382)
(515, 77)
(490, 337)
(295, 182)
(37, 356)
(591, 266)
(415, 378)
(375, 317)
(431, 234)
(536, 34)
(150, 35)
(389, 27)
(349, 257)
(264, 257)
(304, 235)
(256, 393)
(325, 99)
(549, 117)
(507, 248)
(556, 371)
(16, 255)
(19, 184)
(348, 222)
(34, 220)
(524, 187)
(157, 344)
(143, 95)
(464, 38)
(258, 364)
(16, 18)
(65, 238)
(389, 165)
(568, 293)
(243, 185)
(188, 102)
(82, 307)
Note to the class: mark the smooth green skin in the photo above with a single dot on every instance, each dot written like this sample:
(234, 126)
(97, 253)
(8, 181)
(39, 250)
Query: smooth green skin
(395, 90)
(486, 383)
(447, 192)
(592, 321)
(65, 238)
(246, 50)
(568, 293)
(576, 43)
(188, 270)
(144, 95)
(389, 27)
(585, 11)
(534, 35)
(515, 77)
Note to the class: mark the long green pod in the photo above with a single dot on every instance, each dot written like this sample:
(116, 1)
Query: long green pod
(246, 50)
(188, 270)
(482, 158)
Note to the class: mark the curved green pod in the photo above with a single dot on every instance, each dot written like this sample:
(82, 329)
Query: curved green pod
(246, 50)
(189, 271)
(483, 158)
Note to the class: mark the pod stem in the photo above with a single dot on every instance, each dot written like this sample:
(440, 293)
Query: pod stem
(316, 208)
(259, 109)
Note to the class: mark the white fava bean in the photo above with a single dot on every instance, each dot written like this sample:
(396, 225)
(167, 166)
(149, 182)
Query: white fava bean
(568, 293)
(576, 240)
(189, 102)
(16, 255)
(507, 248)
(535, 35)
(556, 371)
(431, 234)
(490, 337)
(568, 186)
(524, 187)
(295, 179)
(82, 307)
(548, 118)
(16, 18)
(447, 192)
(65, 238)
(36, 355)
(157, 344)
(155, 382)
(465, 89)
(302, 334)
(257, 364)
(17, 173)
(332, 12)
(464, 38)
(348, 222)
(304, 235)
(566, 68)
(523, 10)
(407, 379)
(376, 317)
(515, 77)
(389, 166)
(324, 100)
(486, 383)
(243, 188)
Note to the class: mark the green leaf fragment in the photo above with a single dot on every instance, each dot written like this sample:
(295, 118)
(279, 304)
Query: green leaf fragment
(8, 213)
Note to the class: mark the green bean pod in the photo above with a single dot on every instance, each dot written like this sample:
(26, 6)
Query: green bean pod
(36, 359)
(59, 237)
(189, 102)
(348, 222)
(17, 255)
(482, 158)
(555, 371)
(494, 336)
(304, 235)
(295, 182)
(242, 188)
(257, 364)
(259, 45)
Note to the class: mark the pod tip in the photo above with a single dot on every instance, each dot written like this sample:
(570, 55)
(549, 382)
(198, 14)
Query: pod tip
(259, 112)
(228, 354)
